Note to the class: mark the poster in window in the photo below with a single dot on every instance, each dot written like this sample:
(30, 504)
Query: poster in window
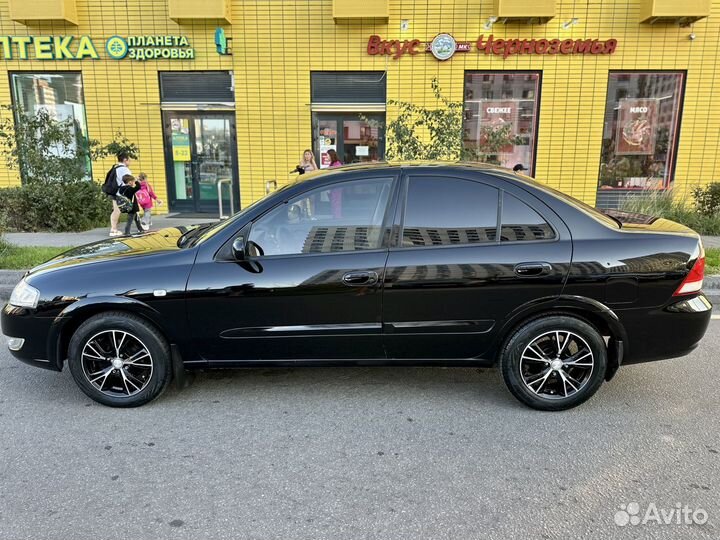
(498, 124)
(637, 125)
(327, 141)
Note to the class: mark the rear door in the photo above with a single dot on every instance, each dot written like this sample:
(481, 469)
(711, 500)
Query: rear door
(469, 250)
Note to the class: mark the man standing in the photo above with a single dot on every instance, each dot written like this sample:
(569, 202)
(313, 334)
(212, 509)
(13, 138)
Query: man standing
(120, 169)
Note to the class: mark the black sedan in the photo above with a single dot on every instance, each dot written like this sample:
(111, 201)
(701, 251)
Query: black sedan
(393, 264)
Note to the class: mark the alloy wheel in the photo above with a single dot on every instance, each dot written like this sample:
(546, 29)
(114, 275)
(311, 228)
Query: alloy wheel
(117, 363)
(557, 364)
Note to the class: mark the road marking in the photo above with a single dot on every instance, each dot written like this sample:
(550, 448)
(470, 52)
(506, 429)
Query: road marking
(715, 317)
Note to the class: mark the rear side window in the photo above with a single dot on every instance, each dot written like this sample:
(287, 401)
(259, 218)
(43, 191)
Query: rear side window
(449, 211)
(520, 223)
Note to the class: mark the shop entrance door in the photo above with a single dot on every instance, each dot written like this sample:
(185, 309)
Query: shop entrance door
(355, 138)
(200, 152)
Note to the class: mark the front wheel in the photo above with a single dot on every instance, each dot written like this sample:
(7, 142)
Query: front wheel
(119, 359)
(554, 363)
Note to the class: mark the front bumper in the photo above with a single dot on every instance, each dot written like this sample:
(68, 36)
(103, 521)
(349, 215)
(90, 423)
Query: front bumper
(39, 345)
(668, 332)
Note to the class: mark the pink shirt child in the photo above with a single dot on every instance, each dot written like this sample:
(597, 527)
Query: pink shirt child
(146, 199)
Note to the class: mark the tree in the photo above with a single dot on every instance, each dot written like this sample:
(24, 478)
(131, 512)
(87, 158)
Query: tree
(419, 132)
(45, 149)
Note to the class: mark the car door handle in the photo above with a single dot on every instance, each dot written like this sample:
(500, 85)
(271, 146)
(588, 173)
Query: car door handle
(533, 269)
(360, 279)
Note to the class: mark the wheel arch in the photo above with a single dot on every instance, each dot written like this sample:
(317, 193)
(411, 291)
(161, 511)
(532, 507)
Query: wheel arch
(65, 325)
(586, 309)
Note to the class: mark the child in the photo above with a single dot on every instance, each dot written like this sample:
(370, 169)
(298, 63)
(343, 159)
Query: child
(145, 198)
(129, 188)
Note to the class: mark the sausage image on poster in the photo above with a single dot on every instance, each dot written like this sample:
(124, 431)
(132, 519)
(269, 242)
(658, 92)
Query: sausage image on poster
(637, 121)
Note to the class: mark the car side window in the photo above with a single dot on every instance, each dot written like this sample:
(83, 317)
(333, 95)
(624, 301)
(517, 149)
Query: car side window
(346, 216)
(520, 223)
(449, 211)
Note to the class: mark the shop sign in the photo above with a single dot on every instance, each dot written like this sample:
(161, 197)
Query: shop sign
(443, 49)
(222, 42)
(637, 122)
(180, 146)
(82, 47)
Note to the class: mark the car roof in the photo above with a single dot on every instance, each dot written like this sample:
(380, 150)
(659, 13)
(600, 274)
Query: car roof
(402, 164)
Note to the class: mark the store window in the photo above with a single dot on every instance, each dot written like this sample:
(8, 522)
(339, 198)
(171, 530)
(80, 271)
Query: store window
(60, 94)
(642, 116)
(449, 211)
(348, 116)
(500, 117)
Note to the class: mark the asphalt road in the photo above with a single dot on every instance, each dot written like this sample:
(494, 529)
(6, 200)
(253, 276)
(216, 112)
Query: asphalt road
(349, 453)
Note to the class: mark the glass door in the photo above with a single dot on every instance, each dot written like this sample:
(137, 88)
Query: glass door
(355, 138)
(200, 154)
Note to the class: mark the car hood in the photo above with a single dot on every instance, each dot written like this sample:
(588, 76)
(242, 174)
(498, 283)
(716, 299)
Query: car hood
(163, 240)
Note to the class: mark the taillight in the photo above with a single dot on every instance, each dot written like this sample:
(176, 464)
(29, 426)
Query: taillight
(694, 280)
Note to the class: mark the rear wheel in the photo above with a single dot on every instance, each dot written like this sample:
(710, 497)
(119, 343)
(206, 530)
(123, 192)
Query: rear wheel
(554, 363)
(119, 359)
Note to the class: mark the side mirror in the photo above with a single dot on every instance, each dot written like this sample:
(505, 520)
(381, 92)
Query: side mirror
(238, 248)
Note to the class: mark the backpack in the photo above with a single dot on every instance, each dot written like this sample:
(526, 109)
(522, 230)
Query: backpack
(124, 204)
(143, 198)
(110, 186)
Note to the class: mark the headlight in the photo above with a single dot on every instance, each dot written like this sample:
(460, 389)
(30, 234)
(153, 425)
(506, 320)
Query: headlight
(24, 295)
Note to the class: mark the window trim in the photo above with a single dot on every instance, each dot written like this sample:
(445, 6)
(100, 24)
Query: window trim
(386, 222)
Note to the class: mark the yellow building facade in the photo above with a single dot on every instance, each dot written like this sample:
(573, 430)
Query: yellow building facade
(601, 99)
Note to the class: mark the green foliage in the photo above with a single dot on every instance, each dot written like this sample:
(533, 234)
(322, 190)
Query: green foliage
(437, 133)
(24, 257)
(61, 207)
(662, 204)
(44, 149)
(120, 144)
(54, 159)
(419, 132)
(712, 261)
(707, 199)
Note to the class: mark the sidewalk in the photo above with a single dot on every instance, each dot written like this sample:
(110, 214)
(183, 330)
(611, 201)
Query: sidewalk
(78, 239)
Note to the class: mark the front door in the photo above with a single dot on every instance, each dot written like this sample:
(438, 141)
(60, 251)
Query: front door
(311, 285)
(356, 137)
(201, 161)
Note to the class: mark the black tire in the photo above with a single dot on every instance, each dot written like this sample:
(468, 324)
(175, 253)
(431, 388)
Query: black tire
(140, 383)
(535, 377)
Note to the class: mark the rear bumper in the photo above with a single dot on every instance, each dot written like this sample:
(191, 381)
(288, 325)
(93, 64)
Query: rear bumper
(668, 332)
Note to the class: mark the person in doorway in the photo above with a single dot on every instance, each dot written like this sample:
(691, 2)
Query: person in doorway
(129, 190)
(334, 159)
(307, 163)
(146, 199)
(519, 168)
(121, 169)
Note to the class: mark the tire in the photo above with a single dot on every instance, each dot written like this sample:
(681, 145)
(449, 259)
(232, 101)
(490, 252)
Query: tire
(533, 374)
(138, 374)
